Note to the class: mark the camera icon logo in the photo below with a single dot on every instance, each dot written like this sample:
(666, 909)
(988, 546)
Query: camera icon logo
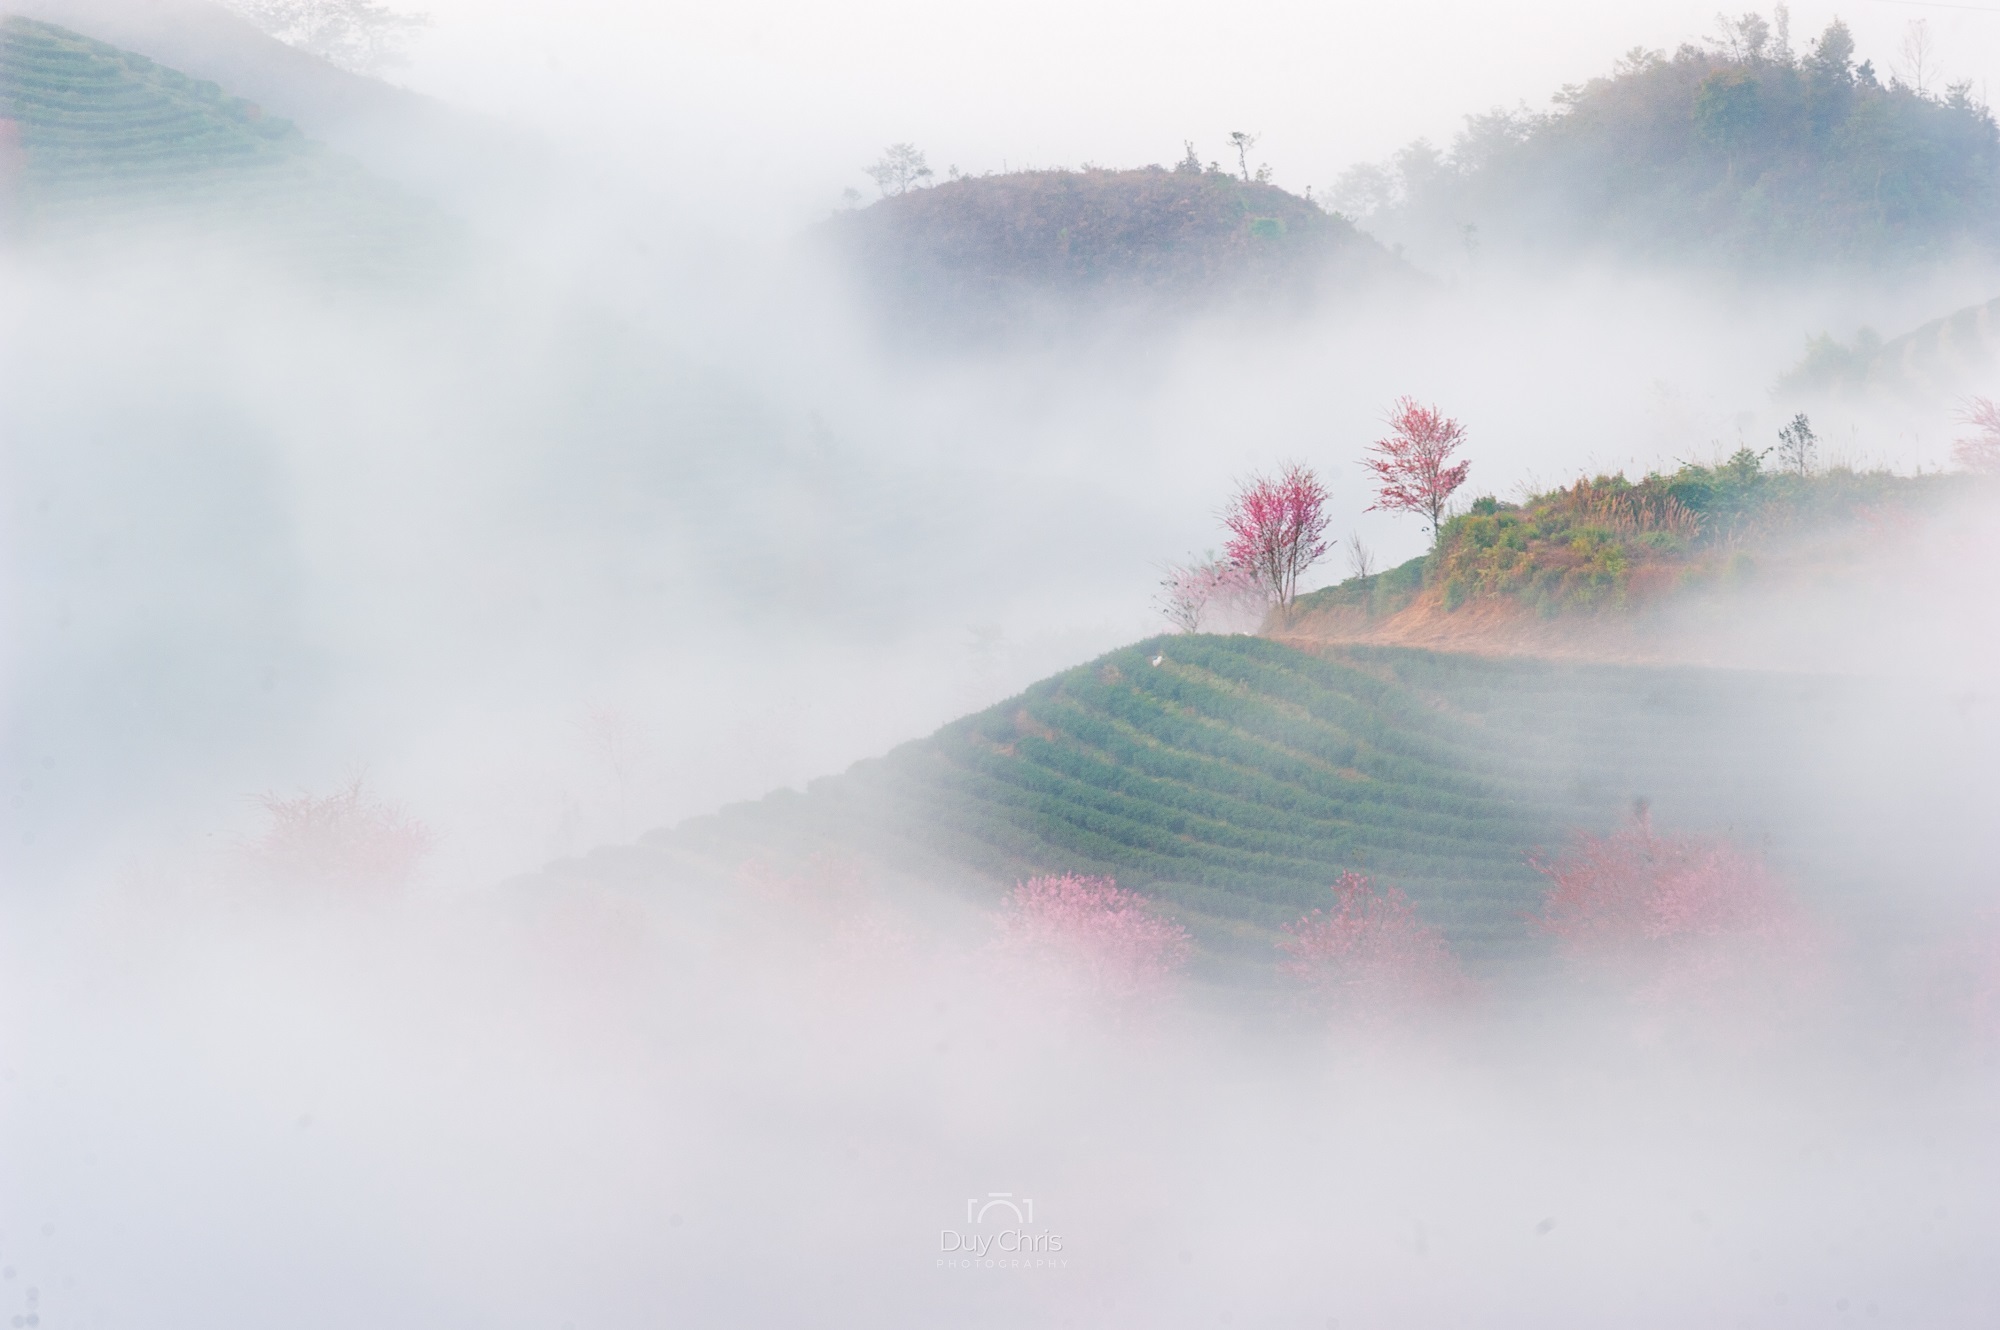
(977, 1208)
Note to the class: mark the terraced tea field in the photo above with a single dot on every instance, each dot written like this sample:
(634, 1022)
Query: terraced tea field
(105, 138)
(1234, 778)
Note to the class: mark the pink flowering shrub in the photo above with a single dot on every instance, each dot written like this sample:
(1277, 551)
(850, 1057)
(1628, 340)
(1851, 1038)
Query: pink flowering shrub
(1370, 954)
(1698, 916)
(1211, 593)
(1109, 942)
(1636, 889)
(343, 839)
(1979, 450)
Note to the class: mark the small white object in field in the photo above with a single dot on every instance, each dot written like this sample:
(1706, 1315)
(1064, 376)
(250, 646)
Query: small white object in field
(1157, 659)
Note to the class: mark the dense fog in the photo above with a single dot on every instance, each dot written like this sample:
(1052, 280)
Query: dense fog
(636, 508)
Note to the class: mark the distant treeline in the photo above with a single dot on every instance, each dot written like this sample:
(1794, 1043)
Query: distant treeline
(1741, 151)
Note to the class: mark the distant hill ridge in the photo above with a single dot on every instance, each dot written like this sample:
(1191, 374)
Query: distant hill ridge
(986, 252)
(1743, 153)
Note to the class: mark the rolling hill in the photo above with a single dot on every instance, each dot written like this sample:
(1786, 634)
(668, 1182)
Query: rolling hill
(105, 139)
(1233, 778)
(985, 254)
(1742, 154)
(402, 136)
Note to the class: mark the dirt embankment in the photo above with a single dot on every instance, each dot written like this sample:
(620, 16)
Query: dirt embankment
(1645, 636)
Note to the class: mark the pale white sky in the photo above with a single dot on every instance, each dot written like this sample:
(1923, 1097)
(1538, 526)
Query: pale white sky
(793, 97)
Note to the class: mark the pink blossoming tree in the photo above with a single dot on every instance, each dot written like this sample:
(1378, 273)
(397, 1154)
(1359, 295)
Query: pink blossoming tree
(1636, 888)
(1413, 469)
(343, 839)
(1980, 449)
(1208, 593)
(1109, 942)
(1370, 955)
(1698, 916)
(1277, 530)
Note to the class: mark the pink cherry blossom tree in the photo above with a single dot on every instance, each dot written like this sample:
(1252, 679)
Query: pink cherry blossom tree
(343, 839)
(1980, 449)
(1413, 469)
(1277, 529)
(1696, 920)
(1370, 955)
(1637, 889)
(1109, 942)
(1207, 592)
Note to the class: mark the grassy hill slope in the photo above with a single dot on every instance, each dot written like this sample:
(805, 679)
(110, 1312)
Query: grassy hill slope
(100, 137)
(1610, 568)
(1235, 778)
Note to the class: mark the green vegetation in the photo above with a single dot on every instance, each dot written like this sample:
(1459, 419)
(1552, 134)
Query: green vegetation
(1237, 777)
(1378, 594)
(1610, 542)
(1744, 152)
(986, 250)
(108, 137)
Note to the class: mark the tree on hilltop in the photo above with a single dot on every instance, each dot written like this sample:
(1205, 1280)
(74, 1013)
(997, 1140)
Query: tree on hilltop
(1798, 446)
(901, 169)
(1243, 143)
(1413, 469)
(357, 35)
(1277, 529)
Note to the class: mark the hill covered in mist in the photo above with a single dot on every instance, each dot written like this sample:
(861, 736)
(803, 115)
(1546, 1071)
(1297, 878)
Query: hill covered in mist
(95, 137)
(1234, 778)
(983, 253)
(1743, 152)
(1943, 357)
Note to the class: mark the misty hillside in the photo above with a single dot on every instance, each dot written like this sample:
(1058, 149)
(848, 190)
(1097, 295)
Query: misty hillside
(986, 251)
(1743, 152)
(1533, 573)
(1941, 358)
(97, 137)
(412, 139)
(1235, 777)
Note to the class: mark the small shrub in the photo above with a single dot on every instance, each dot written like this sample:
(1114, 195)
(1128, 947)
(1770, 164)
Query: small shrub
(343, 839)
(1694, 916)
(1370, 955)
(1107, 942)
